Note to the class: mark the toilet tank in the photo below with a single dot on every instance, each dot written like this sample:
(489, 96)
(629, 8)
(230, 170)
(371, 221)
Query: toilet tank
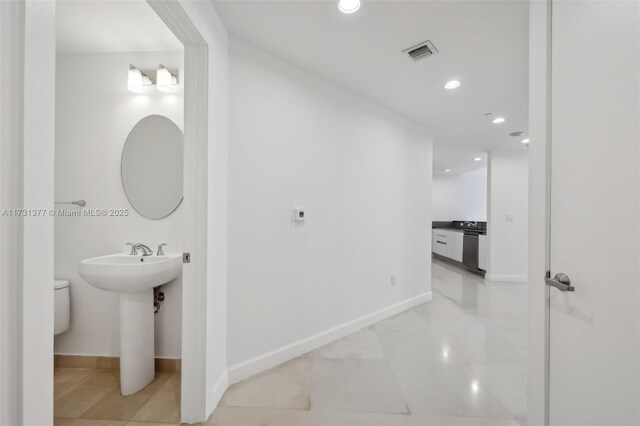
(62, 306)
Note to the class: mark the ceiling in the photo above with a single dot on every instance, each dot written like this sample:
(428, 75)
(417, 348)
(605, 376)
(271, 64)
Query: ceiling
(107, 26)
(484, 44)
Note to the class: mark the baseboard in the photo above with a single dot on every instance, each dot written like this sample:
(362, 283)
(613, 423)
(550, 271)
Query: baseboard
(110, 362)
(285, 353)
(216, 393)
(498, 278)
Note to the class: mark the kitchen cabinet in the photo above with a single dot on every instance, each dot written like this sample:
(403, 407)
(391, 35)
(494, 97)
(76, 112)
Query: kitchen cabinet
(447, 243)
(439, 241)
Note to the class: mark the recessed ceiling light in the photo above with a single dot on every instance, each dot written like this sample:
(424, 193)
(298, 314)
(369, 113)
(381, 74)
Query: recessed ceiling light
(453, 84)
(498, 120)
(447, 170)
(477, 159)
(525, 141)
(349, 6)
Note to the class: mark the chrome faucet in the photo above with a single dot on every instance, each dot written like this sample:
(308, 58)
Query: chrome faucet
(146, 251)
(471, 224)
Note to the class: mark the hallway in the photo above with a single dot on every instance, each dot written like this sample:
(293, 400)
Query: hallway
(458, 360)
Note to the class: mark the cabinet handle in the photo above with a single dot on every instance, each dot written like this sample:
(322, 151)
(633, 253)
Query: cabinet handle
(440, 242)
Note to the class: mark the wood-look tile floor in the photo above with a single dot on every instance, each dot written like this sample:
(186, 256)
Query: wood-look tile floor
(91, 397)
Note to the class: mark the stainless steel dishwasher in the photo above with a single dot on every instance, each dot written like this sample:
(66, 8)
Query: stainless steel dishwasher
(470, 251)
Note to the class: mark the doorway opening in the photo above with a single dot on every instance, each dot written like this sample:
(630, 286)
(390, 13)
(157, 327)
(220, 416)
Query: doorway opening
(118, 180)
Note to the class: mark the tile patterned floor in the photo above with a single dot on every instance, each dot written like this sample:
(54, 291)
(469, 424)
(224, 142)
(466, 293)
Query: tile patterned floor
(91, 397)
(458, 360)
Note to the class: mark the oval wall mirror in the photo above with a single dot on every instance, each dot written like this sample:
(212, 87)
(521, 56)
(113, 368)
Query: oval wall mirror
(151, 167)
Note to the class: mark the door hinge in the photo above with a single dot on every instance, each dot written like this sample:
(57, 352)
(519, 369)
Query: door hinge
(186, 257)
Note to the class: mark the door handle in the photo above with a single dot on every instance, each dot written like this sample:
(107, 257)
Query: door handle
(560, 281)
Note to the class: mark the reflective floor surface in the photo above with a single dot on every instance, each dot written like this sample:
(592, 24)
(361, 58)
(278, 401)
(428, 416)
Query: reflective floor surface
(457, 360)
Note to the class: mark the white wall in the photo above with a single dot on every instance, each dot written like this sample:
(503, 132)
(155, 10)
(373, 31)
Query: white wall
(364, 176)
(94, 115)
(460, 197)
(508, 218)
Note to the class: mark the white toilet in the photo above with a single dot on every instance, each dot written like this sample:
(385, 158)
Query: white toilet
(61, 306)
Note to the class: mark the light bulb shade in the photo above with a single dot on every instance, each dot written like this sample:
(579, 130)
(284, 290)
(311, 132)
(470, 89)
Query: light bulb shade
(134, 80)
(163, 79)
(349, 6)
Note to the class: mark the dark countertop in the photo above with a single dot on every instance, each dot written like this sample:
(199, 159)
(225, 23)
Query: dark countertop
(481, 232)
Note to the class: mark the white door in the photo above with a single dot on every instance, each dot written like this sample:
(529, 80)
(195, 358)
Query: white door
(594, 339)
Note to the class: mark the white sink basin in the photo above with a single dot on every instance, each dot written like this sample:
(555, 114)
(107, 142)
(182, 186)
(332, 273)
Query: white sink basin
(124, 273)
(134, 278)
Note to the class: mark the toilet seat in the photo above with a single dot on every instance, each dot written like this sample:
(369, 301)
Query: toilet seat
(59, 284)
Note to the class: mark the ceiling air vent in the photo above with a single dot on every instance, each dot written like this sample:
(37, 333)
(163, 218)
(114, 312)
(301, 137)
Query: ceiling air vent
(420, 51)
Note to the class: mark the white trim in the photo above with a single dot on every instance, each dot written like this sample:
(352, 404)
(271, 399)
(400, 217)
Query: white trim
(11, 229)
(540, 132)
(219, 388)
(194, 289)
(38, 155)
(285, 353)
(499, 278)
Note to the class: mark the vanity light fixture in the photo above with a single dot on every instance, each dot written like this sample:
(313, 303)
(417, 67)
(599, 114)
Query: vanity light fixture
(477, 159)
(165, 79)
(525, 141)
(137, 79)
(349, 6)
(498, 120)
(453, 84)
(447, 170)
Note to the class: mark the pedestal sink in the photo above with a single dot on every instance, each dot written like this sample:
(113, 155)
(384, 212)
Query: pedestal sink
(134, 277)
